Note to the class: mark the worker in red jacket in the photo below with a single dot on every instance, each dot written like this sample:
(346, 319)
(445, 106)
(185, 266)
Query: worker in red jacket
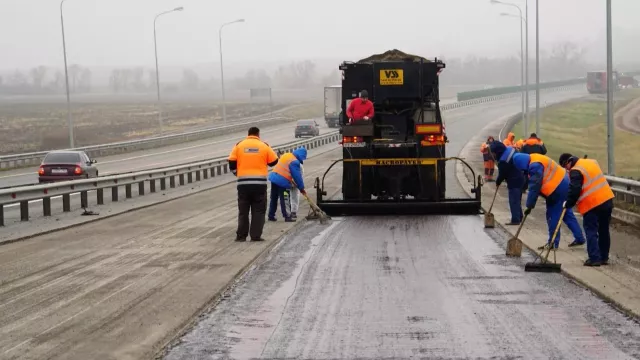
(361, 108)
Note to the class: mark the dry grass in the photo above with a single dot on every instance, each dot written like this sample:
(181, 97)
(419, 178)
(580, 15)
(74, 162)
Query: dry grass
(26, 127)
(580, 127)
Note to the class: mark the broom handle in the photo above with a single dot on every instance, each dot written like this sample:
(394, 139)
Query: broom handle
(494, 199)
(553, 238)
(520, 227)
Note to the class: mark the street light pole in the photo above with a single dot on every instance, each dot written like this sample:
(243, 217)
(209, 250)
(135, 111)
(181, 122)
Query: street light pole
(522, 21)
(66, 77)
(155, 43)
(526, 4)
(224, 105)
(538, 67)
(610, 158)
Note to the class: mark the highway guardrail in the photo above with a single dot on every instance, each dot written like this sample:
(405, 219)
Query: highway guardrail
(35, 158)
(149, 179)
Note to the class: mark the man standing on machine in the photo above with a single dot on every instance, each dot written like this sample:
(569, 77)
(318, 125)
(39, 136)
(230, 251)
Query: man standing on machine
(591, 193)
(361, 108)
(550, 180)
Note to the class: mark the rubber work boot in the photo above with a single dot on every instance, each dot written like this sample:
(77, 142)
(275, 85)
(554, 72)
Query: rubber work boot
(272, 219)
(258, 239)
(294, 216)
(289, 219)
(240, 239)
(576, 243)
(588, 262)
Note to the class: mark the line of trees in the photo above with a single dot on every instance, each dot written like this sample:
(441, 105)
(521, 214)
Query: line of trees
(564, 60)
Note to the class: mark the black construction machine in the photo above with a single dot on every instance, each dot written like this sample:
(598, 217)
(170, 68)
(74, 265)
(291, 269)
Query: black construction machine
(394, 163)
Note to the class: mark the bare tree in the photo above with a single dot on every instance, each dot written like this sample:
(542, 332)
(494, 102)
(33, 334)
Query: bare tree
(138, 79)
(37, 75)
(85, 80)
(74, 74)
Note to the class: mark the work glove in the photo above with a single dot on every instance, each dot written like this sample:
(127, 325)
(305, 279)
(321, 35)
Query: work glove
(564, 205)
(527, 211)
(366, 118)
(498, 184)
(234, 172)
(303, 192)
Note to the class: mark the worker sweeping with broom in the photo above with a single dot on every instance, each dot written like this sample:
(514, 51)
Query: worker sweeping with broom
(591, 193)
(514, 177)
(549, 180)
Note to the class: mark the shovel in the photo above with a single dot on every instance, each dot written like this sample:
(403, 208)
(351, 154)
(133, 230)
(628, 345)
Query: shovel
(514, 245)
(543, 265)
(489, 219)
(315, 209)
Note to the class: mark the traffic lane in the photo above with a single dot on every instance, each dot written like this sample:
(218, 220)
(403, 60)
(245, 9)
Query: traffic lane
(167, 156)
(12, 213)
(400, 287)
(122, 287)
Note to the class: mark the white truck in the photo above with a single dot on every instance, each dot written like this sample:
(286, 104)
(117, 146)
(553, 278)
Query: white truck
(332, 108)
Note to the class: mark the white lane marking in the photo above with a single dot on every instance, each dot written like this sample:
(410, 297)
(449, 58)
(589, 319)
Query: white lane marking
(163, 152)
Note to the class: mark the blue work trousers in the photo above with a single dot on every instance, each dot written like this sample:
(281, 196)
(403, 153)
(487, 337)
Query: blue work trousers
(515, 204)
(554, 210)
(282, 194)
(596, 226)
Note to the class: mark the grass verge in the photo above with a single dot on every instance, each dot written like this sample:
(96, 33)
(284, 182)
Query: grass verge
(580, 127)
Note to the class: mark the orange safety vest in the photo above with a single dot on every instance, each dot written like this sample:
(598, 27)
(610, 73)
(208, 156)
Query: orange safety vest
(282, 167)
(553, 173)
(595, 188)
(533, 141)
(509, 141)
(252, 156)
(519, 144)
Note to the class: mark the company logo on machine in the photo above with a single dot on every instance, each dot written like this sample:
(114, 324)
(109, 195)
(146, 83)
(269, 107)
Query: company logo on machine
(386, 162)
(392, 77)
(354, 144)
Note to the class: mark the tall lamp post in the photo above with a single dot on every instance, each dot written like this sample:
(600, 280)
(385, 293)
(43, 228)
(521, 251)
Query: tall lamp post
(522, 20)
(538, 67)
(224, 106)
(610, 158)
(526, 52)
(155, 42)
(66, 77)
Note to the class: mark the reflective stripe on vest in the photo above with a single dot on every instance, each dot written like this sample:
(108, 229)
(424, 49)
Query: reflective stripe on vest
(509, 154)
(552, 176)
(282, 167)
(595, 188)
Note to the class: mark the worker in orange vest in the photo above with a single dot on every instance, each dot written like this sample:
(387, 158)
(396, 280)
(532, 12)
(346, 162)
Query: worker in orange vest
(534, 145)
(591, 193)
(287, 172)
(549, 180)
(518, 145)
(489, 161)
(510, 140)
(248, 161)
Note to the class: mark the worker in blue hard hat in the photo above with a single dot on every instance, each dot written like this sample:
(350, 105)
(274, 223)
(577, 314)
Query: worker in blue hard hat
(514, 177)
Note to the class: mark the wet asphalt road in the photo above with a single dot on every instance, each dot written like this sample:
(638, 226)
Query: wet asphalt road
(391, 287)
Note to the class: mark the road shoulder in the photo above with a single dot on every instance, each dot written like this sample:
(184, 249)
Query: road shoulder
(617, 283)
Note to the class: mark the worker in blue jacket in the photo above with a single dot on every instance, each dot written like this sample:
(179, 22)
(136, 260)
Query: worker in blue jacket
(549, 180)
(514, 177)
(286, 171)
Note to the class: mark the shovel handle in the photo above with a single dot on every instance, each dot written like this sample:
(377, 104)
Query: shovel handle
(494, 198)
(521, 224)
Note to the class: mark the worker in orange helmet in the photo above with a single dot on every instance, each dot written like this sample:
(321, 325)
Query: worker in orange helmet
(510, 140)
(488, 159)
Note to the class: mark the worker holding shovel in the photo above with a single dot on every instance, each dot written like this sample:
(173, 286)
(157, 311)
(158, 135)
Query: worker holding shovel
(551, 181)
(283, 174)
(514, 177)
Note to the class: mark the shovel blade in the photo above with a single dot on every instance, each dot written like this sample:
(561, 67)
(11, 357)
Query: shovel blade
(514, 247)
(489, 221)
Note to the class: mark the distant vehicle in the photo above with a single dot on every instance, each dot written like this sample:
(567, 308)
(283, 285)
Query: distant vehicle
(308, 127)
(597, 82)
(332, 106)
(66, 165)
(627, 81)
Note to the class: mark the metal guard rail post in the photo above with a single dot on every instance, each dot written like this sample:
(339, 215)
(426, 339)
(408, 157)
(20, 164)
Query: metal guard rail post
(627, 190)
(202, 170)
(33, 158)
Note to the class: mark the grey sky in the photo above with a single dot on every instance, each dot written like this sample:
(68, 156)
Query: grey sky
(120, 32)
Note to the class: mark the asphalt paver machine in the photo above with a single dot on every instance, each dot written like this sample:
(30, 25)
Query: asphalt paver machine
(395, 162)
